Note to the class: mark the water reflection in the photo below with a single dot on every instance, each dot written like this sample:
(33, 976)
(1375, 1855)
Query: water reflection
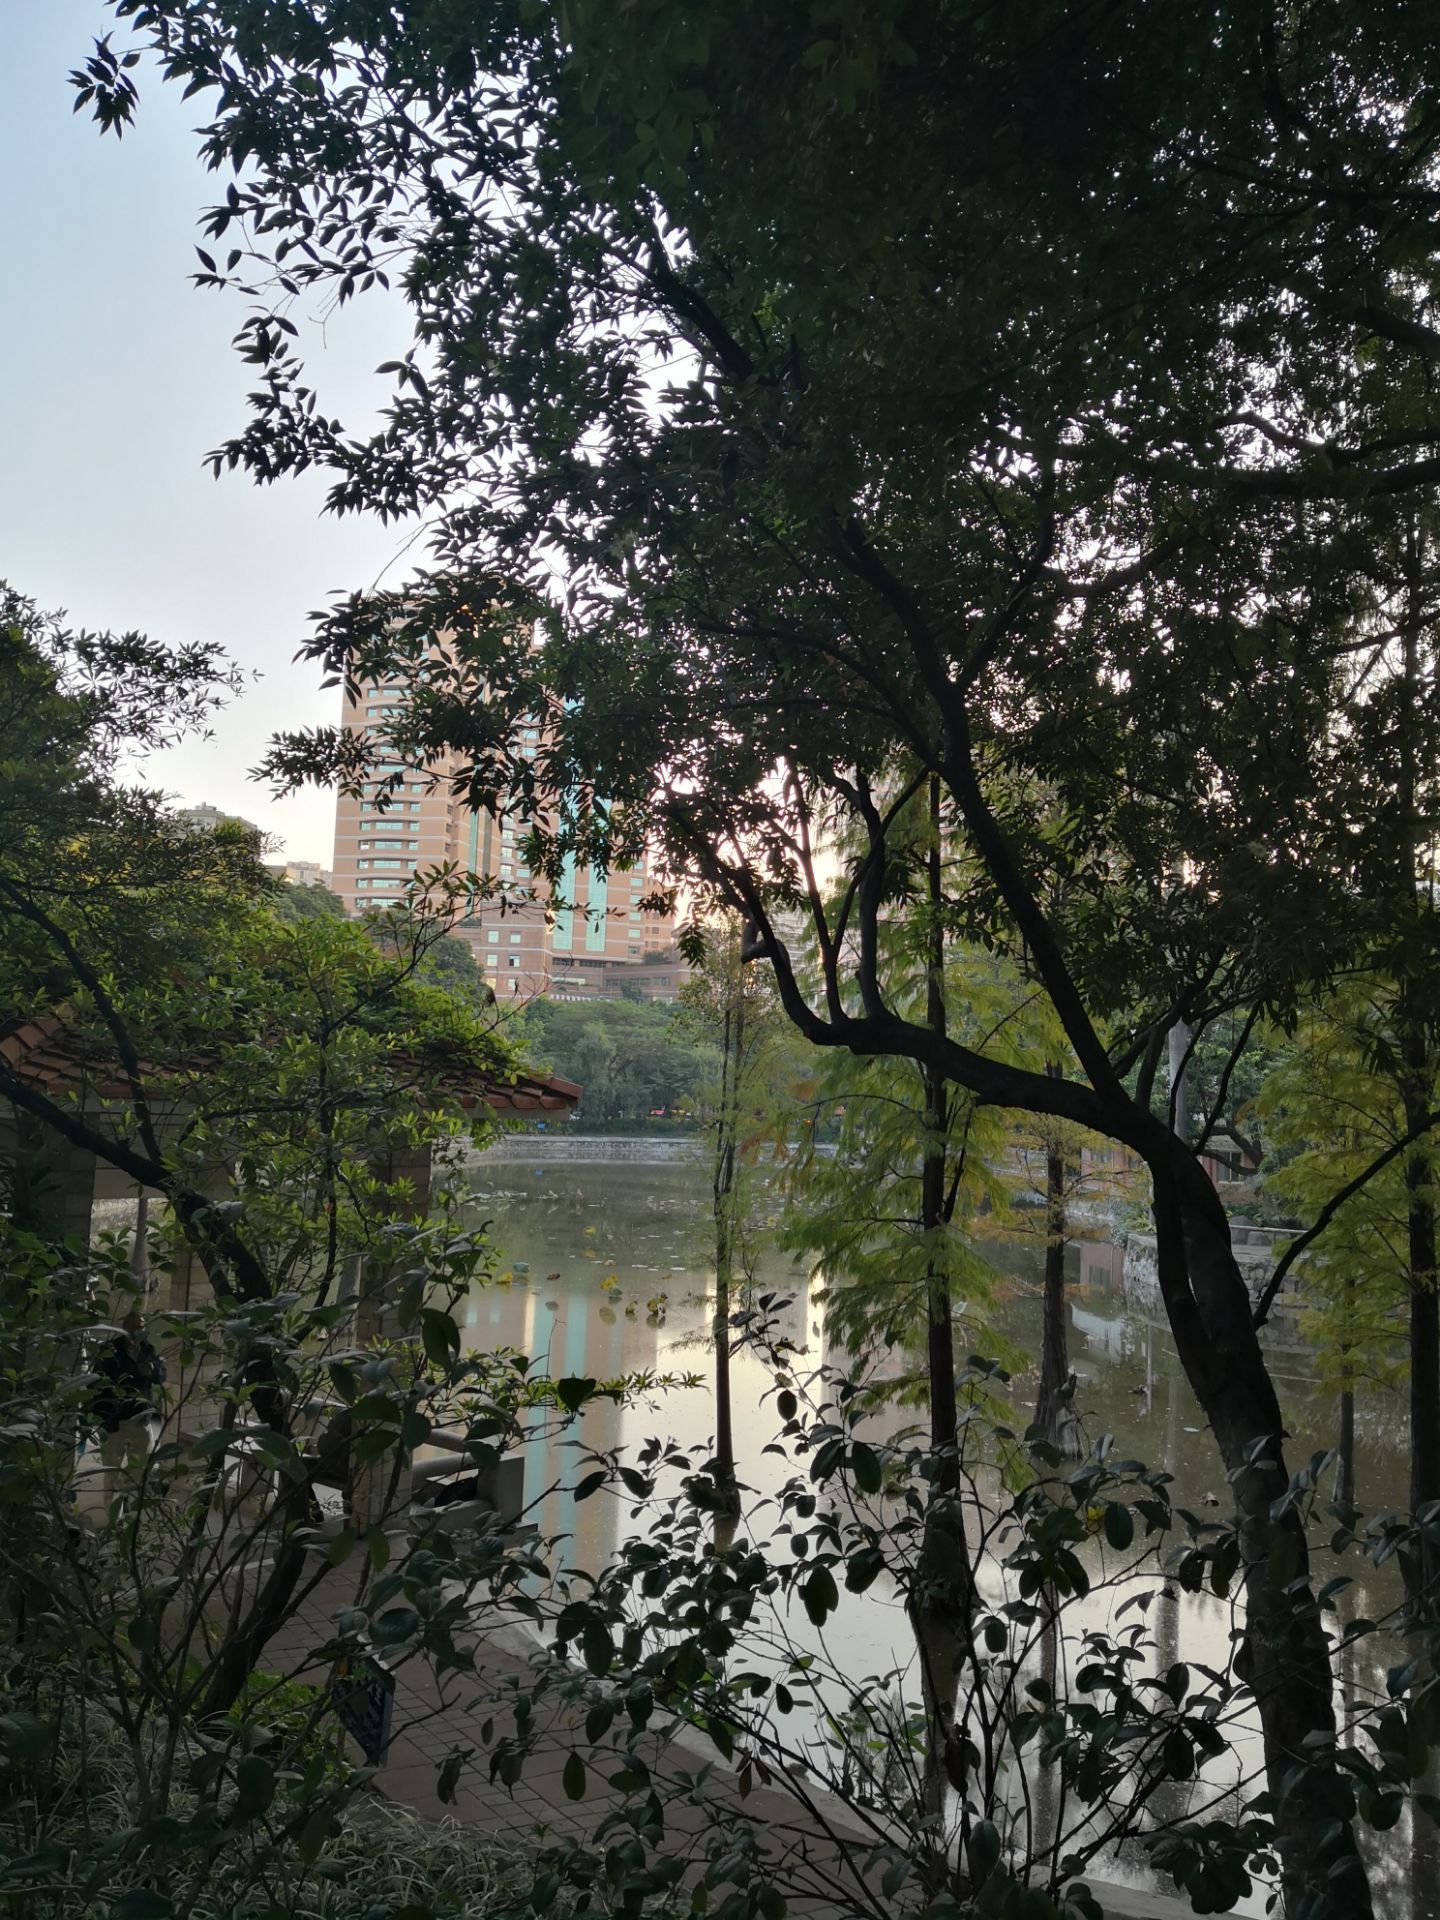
(604, 1273)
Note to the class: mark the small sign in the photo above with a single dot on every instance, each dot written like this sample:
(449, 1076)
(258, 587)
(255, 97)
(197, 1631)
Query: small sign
(364, 1695)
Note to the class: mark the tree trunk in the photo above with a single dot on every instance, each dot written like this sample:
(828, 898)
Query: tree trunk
(1415, 1074)
(1424, 1358)
(1053, 1409)
(941, 1604)
(1286, 1652)
(1345, 1450)
(733, 1036)
(1179, 1045)
(268, 1612)
(1285, 1656)
(1416, 1087)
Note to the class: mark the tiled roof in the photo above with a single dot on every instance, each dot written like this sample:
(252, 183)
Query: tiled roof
(53, 1059)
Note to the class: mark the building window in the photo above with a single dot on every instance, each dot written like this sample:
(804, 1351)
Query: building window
(514, 960)
(492, 937)
(516, 938)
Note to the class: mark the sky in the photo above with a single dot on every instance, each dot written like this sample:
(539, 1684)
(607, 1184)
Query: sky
(116, 378)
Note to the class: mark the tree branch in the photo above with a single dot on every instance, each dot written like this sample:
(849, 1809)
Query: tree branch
(1332, 1206)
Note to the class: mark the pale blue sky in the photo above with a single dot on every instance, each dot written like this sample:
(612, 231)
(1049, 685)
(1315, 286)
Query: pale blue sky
(118, 377)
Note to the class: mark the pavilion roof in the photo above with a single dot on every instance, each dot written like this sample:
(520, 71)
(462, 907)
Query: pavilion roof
(52, 1058)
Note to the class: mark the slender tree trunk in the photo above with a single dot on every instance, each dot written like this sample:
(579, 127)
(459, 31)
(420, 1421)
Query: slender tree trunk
(1424, 1355)
(733, 1033)
(939, 1304)
(1053, 1411)
(1345, 1439)
(266, 1615)
(1424, 1302)
(1179, 1044)
(1416, 1086)
(942, 1600)
(1345, 1450)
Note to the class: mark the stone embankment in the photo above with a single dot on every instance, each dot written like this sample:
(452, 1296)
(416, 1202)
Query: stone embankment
(1255, 1248)
(581, 1149)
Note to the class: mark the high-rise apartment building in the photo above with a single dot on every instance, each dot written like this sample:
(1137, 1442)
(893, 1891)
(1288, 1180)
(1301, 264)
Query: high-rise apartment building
(580, 945)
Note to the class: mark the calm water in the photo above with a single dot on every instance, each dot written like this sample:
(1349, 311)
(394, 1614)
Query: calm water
(565, 1230)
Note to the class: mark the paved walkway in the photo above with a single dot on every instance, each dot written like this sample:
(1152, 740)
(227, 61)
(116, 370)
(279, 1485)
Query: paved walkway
(816, 1844)
(819, 1849)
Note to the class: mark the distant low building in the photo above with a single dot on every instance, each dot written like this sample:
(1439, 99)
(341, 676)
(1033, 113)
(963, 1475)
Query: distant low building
(308, 873)
(654, 976)
(205, 819)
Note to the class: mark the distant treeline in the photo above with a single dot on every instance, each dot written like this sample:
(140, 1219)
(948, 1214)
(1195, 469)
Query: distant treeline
(635, 1059)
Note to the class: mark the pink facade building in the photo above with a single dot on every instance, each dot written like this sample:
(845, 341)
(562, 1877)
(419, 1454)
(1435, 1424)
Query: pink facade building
(582, 944)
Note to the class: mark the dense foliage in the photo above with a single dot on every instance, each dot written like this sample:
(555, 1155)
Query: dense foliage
(1038, 398)
(633, 1061)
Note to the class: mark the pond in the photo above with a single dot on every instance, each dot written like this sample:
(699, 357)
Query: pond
(563, 1227)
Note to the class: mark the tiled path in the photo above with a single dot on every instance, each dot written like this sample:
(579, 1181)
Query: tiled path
(820, 1848)
(819, 1845)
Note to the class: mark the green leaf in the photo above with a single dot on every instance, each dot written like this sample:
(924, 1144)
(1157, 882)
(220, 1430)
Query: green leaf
(312, 1837)
(572, 1392)
(596, 1647)
(573, 1778)
(865, 1465)
(982, 1850)
(143, 1634)
(820, 1595)
(1177, 1755)
(254, 1786)
(1119, 1525)
(440, 1336)
(863, 1569)
(395, 1626)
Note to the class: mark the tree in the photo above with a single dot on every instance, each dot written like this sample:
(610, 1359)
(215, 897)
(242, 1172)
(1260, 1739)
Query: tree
(447, 962)
(999, 388)
(630, 1057)
(270, 1083)
(729, 1008)
(307, 903)
(1386, 785)
(1332, 1103)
